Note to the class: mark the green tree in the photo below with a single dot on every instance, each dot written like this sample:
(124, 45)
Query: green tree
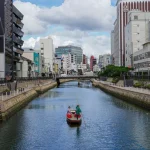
(113, 71)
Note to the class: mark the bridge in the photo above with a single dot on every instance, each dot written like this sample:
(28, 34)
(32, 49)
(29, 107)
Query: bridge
(75, 77)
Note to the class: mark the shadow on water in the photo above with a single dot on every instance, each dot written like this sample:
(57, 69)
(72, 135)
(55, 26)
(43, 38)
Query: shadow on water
(77, 126)
(74, 125)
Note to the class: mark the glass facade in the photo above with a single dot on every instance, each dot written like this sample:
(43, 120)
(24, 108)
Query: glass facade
(70, 49)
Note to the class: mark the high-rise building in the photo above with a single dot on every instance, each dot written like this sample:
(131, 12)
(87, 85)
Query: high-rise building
(47, 51)
(10, 39)
(136, 34)
(123, 6)
(93, 61)
(70, 49)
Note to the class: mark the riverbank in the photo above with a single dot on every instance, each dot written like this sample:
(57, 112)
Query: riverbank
(12, 105)
(138, 98)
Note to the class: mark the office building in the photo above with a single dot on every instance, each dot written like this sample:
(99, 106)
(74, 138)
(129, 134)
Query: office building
(123, 7)
(10, 39)
(136, 34)
(104, 60)
(35, 58)
(47, 51)
(70, 49)
(69, 62)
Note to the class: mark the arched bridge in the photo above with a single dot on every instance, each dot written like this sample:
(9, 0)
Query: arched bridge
(75, 77)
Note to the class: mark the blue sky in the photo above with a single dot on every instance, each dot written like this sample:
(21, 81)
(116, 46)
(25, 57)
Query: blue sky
(51, 3)
(47, 3)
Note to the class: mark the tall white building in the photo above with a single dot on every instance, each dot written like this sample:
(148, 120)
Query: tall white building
(47, 50)
(69, 62)
(136, 34)
(123, 6)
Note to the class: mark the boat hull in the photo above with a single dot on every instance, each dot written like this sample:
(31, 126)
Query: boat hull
(69, 121)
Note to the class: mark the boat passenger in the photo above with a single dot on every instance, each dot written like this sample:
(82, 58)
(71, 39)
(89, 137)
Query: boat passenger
(69, 110)
(78, 111)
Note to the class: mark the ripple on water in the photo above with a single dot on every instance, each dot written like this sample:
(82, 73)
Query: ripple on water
(108, 123)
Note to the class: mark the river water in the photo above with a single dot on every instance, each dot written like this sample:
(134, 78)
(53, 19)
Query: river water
(108, 123)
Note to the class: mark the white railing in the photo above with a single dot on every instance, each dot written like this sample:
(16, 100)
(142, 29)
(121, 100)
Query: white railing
(11, 94)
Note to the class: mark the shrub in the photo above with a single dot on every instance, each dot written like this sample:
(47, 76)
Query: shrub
(138, 85)
(147, 86)
(115, 80)
(6, 91)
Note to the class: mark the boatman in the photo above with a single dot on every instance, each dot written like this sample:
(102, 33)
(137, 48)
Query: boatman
(78, 111)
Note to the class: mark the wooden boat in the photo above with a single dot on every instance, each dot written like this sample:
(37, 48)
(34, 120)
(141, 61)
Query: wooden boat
(71, 118)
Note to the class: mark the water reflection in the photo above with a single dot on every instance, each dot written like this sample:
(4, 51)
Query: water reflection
(109, 123)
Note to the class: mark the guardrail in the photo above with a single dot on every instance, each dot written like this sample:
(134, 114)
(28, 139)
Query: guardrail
(4, 81)
(10, 94)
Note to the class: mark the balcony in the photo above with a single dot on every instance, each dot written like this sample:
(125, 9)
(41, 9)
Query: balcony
(17, 40)
(17, 31)
(17, 22)
(18, 50)
(17, 13)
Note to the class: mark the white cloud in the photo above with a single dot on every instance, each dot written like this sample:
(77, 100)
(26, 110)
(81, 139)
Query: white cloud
(92, 45)
(84, 15)
(73, 14)
(78, 18)
(32, 24)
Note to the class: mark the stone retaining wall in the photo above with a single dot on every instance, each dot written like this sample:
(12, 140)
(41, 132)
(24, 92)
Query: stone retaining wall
(12, 105)
(139, 99)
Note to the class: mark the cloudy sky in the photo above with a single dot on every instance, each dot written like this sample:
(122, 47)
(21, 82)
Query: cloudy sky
(85, 23)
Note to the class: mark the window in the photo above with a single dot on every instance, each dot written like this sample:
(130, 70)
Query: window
(135, 17)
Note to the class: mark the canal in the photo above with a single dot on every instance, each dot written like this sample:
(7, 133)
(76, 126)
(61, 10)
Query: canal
(108, 123)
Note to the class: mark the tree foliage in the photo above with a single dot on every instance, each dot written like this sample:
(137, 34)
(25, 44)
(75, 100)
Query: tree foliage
(114, 71)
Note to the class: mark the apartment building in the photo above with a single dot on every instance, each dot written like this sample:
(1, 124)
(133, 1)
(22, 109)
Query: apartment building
(118, 33)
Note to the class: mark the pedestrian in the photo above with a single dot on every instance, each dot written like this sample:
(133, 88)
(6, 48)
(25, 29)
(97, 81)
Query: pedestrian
(78, 111)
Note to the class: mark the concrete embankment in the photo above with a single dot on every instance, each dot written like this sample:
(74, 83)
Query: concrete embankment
(139, 99)
(12, 105)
